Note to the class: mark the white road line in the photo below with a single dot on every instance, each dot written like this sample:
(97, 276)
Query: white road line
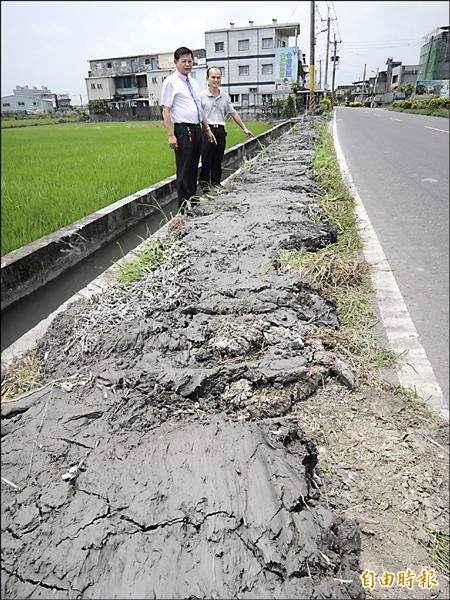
(415, 372)
(436, 129)
(394, 119)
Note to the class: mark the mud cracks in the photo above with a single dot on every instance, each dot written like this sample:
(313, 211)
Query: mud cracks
(163, 463)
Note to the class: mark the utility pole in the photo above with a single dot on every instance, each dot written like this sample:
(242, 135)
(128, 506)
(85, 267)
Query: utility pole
(320, 73)
(374, 90)
(334, 69)
(364, 84)
(325, 84)
(311, 55)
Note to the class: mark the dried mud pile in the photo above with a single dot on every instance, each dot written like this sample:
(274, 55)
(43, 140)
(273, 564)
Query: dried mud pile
(164, 460)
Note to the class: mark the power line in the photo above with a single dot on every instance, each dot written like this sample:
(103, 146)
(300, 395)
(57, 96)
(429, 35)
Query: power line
(292, 14)
(337, 23)
(382, 41)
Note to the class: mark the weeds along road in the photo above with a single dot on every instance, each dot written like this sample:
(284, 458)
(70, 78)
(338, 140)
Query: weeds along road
(399, 165)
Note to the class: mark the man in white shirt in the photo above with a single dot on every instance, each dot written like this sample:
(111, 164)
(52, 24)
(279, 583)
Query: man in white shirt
(182, 114)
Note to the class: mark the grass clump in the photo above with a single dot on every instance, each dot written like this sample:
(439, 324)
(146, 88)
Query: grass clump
(148, 257)
(339, 271)
(23, 375)
(418, 413)
(439, 553)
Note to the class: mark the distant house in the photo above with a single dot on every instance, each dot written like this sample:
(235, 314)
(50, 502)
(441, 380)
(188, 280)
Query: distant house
(16, 104)
(403, 74)
(26, 99)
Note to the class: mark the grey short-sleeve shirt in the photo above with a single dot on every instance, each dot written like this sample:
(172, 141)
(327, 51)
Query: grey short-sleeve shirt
(217, 108)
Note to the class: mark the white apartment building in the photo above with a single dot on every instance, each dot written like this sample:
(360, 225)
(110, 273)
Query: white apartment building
(258, 63)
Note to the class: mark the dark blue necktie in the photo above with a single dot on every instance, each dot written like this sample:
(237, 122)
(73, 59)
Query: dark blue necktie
(193, 98)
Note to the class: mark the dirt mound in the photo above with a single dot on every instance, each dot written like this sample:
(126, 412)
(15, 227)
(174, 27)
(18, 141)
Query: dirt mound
(210, 508)
(157, 462)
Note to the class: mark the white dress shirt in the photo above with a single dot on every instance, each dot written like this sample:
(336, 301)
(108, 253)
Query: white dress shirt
(176, 96)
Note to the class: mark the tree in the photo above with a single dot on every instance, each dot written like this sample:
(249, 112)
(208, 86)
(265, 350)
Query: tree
(289, 109)
(406, 87)
(98, 107)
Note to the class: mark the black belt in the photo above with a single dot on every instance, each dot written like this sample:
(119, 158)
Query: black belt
(217, 126)
(189, 124)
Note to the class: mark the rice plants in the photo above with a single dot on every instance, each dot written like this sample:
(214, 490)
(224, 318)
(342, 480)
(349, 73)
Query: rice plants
(55, 175)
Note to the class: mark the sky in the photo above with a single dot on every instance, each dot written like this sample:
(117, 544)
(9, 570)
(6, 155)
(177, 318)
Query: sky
(50, 43)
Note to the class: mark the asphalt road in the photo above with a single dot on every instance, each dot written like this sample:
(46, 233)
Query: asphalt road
(399, 163)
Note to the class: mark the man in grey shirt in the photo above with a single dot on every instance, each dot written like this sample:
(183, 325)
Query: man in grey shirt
(217, 108)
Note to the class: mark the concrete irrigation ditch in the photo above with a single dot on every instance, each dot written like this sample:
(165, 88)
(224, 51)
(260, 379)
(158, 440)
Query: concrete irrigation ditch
(164, 458)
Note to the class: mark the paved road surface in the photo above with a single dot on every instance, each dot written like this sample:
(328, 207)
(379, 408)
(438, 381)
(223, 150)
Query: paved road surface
(400, 166)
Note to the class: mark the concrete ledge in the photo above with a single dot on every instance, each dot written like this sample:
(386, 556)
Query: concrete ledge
(28, 268)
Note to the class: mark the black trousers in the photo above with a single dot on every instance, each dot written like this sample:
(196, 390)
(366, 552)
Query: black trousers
(212, 156)
(189, 138)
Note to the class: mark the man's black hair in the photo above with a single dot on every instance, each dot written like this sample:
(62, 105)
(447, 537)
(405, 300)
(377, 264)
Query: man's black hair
(182, 50)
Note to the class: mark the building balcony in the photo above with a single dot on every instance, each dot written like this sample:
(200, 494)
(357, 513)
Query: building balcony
(128, 91)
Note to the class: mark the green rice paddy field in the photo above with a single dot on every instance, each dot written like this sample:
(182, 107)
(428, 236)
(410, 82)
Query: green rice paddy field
(54, 175)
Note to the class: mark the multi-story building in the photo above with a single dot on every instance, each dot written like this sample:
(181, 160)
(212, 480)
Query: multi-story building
(26, 99)
(383, 87)
(22, 104)
(126, 80)
(434, 56)
(403, 74)
(258, 63)
(122, 79)
(60, 101)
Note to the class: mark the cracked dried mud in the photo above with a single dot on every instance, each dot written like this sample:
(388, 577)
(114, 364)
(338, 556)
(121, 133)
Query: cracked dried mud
(193, 442)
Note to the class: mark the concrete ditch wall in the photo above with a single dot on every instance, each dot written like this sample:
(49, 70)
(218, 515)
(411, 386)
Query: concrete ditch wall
(28, 268)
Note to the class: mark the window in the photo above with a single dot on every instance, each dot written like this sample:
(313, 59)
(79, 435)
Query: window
(147, 61)
(267, 69)
(222, 71)
(109, 65)
(267, 43)
(243, 70)
(123, 63)
(234, 98)
(267, 98)
(21, 104)
(99, 66)
(6, 104)
(35, 103)
(92, 86)
(154, 80)
(253, 89)
(218, 46)
(243, 44)
(244, 99)
(99, 86)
